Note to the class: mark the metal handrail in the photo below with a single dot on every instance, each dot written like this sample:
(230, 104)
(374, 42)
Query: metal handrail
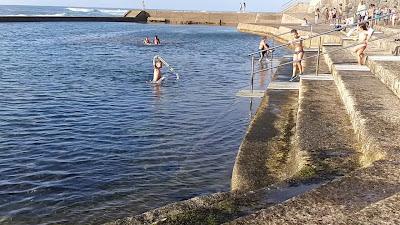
(323, 33)
(287, 3)
(323, 53)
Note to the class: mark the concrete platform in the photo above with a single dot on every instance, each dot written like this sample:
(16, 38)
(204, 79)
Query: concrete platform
(250, 93)
(351, 67)
(284, 85)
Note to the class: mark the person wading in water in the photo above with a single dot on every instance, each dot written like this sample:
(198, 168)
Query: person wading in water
(264, 48)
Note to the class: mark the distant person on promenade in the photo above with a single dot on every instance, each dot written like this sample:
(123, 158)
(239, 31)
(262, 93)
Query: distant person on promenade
(157, 65)
(363, 37)
(371, 14)
(317, 15)
(264, 48)
(395, 15)
(326, 14)
(361, 11)
(340, 14)
(156, 40)
(244, 6)
(298, 55)
(241, 7)
(147, 41)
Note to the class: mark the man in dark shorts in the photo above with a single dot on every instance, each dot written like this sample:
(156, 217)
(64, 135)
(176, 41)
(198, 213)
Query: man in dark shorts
(264, 48)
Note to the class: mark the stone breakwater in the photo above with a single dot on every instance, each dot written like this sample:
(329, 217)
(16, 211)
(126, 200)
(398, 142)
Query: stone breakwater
(213, 18)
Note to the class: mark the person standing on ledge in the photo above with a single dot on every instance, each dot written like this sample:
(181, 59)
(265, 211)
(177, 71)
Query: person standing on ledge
(317, 15)
(244, 6)
(264, 48)
(298, 55)
(156, 40)
(241, 7)
(363, 37)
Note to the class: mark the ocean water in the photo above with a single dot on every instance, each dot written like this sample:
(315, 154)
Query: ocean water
(21, 10)
(85, 139)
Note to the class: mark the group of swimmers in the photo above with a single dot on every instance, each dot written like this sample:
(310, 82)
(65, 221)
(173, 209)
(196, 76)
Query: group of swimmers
(155, 42)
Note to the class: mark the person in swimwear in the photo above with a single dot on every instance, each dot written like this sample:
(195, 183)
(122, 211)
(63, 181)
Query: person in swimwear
(298, 55)
(363, 37)
(264, 48)
(156, 40)
(157, 65)
(146, 41)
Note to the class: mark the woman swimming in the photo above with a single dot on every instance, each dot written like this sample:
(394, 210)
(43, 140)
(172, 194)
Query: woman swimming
(146, 41)
(298, 55)
(157, 65)
(156, 40)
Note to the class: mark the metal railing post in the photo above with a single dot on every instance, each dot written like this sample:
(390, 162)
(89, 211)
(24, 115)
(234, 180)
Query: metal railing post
(252, 74)
(310, 34)
(318, 56)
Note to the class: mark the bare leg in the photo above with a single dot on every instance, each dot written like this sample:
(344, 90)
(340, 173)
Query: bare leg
(360, 53)
(294, 65)
(300, 58)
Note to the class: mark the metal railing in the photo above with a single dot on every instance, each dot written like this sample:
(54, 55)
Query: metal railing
(253, 72)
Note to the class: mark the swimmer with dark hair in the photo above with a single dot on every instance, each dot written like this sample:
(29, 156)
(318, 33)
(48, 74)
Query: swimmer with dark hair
(156, 40)
(157, 66)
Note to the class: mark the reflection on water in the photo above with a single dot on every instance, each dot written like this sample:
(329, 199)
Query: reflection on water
(84, 139)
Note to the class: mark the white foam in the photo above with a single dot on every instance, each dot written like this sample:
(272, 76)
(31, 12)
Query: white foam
(50, 15)
(80, 10)
(115, 12)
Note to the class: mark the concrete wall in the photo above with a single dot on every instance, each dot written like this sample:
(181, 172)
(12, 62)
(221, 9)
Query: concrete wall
(226, 18)
(67, 19)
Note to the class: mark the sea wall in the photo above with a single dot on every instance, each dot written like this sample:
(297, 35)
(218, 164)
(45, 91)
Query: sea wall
(219, 18)
(4, 19)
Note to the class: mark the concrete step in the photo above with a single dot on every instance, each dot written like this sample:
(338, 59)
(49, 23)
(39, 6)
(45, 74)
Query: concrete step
(265, 155)
(382, 212)
(338, 201)
(324, 133)
(374, 114)
(373, 108)
(386, 68)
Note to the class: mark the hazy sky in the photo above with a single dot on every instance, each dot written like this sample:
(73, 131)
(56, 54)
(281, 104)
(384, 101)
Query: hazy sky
(217, 5)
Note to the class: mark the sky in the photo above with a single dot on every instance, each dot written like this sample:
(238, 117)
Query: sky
(209, 5)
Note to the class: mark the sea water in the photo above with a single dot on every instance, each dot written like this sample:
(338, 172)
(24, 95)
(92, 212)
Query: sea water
(85, 139)
(22, 10)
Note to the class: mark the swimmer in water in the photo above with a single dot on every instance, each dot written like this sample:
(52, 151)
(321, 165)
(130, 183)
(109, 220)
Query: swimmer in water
(157, 65)
(298, 55)
(156, 40)
(264, 48)
(147, 41)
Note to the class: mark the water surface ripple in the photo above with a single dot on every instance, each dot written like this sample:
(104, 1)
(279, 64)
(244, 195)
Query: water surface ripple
(85, 140)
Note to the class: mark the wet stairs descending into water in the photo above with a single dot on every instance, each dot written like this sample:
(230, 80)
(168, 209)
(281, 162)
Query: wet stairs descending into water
(335, 160)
